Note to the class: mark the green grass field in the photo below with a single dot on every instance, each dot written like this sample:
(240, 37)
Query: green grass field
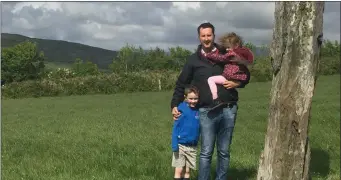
(127, 136)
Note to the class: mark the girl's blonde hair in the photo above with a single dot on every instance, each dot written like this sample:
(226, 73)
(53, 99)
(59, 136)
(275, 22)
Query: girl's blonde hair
(229, 40)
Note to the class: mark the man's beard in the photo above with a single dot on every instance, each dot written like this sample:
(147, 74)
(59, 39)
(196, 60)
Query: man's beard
(208, 49)
(207, 42)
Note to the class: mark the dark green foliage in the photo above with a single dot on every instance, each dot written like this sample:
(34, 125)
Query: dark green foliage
(68, 84)
(261, 70)
(132, 59)
(21, 62)
(133, 69)
(84, 69)
(330, 49)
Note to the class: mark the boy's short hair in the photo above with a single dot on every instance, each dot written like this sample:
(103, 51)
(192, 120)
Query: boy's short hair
(230, 39)
(191, 89)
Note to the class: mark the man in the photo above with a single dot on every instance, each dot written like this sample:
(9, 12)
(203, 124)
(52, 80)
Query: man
(216, 124)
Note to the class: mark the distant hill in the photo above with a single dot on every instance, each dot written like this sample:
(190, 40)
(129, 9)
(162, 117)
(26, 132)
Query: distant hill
(63, 52)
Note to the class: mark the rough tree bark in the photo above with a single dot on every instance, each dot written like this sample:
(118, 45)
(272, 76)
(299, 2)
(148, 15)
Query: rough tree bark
(294, 52)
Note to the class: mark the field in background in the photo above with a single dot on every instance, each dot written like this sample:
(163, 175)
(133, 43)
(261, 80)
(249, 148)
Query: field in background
(127, 136)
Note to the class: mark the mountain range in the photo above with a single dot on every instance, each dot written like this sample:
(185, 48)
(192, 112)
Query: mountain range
(64, 53)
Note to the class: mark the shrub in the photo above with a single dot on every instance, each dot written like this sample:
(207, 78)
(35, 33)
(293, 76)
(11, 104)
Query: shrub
(63, 82)
(22, 62)
(105, 84)
(329, 66)
(61, 73)
(261, 70)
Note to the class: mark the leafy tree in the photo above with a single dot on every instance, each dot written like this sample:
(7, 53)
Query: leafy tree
(83, 69)
(156, 59)
(330, 49)
(178, 56)
(123, 62)
(22, 62)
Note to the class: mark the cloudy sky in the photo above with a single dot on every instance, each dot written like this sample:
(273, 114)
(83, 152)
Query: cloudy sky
(111, 25)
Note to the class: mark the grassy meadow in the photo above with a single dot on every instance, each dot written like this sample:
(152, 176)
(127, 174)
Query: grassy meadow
(128, 136)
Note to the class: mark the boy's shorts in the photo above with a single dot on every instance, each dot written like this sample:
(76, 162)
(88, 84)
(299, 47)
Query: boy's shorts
(186, 156)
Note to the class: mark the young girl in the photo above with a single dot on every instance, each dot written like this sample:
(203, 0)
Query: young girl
(185, 135)
(232, 71)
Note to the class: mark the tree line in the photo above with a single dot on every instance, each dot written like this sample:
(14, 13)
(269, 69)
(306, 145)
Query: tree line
(24, 64)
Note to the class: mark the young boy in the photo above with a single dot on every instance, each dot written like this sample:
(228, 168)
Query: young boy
(185, 135)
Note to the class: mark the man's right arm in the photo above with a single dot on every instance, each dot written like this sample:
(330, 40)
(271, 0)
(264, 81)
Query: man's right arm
(184, 78)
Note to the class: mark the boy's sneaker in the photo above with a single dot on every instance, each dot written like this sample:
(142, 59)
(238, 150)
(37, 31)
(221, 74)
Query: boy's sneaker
(216, 103)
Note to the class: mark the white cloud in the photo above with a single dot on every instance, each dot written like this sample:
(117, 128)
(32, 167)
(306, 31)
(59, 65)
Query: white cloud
(22, 23)
(37, 5)
(185, 6)
(111, 25)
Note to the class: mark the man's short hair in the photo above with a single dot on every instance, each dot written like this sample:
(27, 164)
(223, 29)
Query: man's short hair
(205, 25)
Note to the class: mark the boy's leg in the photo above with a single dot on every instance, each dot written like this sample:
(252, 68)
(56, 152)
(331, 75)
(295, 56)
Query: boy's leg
(212, 83)
(187, 173)
(178, 173)
(178, 162)
(190, 153)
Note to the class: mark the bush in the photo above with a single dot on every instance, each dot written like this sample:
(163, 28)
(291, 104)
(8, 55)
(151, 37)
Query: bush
(64, 82)
(84, 78)
(101, 84)
(261, 70)
(61, 73)
(329, 66)
(22, 62)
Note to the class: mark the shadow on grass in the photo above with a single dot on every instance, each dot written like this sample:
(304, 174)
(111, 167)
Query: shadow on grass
(319, 166)
(242, 174)
(319, 163)
(235, 174)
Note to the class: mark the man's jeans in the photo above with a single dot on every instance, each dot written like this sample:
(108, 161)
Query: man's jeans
(216, 125)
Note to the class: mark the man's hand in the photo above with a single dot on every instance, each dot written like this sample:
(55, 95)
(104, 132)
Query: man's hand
(231, 84)
(175, 113)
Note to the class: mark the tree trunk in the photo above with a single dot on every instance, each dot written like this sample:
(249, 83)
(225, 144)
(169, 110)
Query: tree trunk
(295, 55)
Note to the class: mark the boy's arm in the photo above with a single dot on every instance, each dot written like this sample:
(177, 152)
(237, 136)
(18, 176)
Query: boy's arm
(175, 143)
